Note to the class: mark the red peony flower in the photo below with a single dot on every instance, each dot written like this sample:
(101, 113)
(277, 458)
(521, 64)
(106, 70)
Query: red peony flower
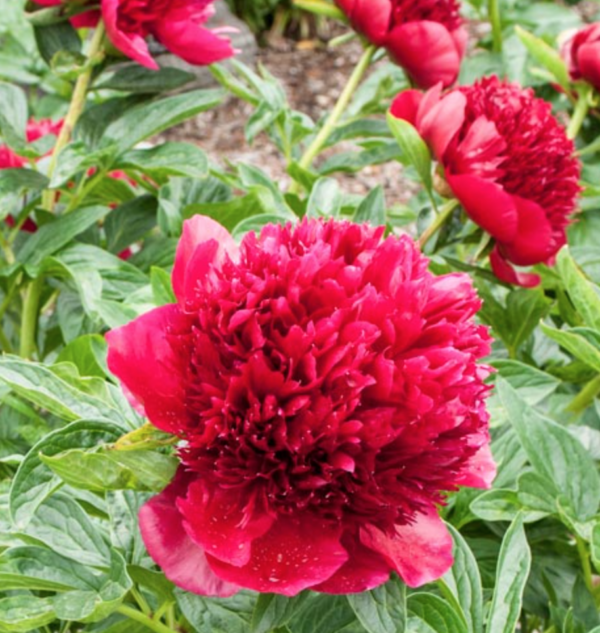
(327, 392)
(177, 24)
(581, 52)
(509, 163)
(425, 37)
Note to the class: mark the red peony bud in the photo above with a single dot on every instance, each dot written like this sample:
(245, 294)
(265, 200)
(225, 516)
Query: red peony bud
(509, 163)
(425, 37)
(327, 392)
(581, 52)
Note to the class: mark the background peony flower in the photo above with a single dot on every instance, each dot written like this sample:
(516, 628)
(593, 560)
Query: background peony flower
(425, 37)
(177, 24)
(509, 163)
(327, 392)
(581, 53)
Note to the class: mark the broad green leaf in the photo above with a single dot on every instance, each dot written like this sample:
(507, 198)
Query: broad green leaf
(436, 613)
(15, 183)
(524, 309)
(575, 343)
(381, 610)
(503, 505)
(123, 509)
(135, 78)
(168, 159)
(102, 469)
(325, 199)
(545, 55)
(595, 546)
(130, 222)
(55, 38)
(272, 611)
(255, 224)
(372, 208)
(155, 581)
(581, 291)
(34, 482)
(554, 453)
(326, 614)
(225, 615)
(25, 613)
(464, 581)
(512, 572)
(88, 354)
(13, 116)
(413, 148)
(162, 288)
(533, 385)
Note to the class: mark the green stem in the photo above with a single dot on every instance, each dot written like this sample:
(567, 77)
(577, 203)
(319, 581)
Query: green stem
(30, 317)
(585, 563)
(142, 603)
(494, 16)
(586, 396)
(75, 109)
(445, 212)
(581, 109)
(5, 345)
(138, 616)
(315, 148)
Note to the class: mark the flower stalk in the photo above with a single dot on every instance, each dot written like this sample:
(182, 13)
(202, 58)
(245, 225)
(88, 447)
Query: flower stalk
(442, 217)
(582, 107)
(494, 16)
(148, 622)
(586, 396)
(30, 317)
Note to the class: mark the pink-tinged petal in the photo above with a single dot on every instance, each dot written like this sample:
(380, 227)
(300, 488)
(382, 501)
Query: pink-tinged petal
(441, 123)
(193, 43)
(420, 552)
(480, 151)
(297, 553)
(505, 272)
(223, 521)
(130, 44)
(363, 571)
(140, 355)
(182, 561)
(369, 17)
(426, 51)
(487, 204)
(406, 106)
(533, 242)
(588, 60)
(460, 38)
(203, 243)
(480, 470)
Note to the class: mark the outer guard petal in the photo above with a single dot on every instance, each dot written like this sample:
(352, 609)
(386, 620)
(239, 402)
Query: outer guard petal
(588, 59)
(406, 106)
(182, 561)
(140, 355)
(480, 470)
(297, 553)
(427, 52)
(487, 204)
(420, 552)
(505, 272)
(369, 17)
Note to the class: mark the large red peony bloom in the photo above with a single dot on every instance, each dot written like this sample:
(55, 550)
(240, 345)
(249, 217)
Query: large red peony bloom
(581, 52)
(425, 37)
(509, 163)
(327, 392)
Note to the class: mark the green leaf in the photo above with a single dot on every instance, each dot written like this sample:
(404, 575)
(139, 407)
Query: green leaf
(102, 469)
(88, 354)
(272, 611)
(52, 236)
(554, 453)
(326, 614)
(325, 199)
(225, 615)
(372, 208)
(123, 509)
(168, 159)
(533, 385)
(15, 183)
(162, 288)
(595, 546)
(464, 581)
(512, 572)
(135, 78)
(546, 56)
(25, 613)
(503, 505)
(13, 116)
(381, 610)
(130, 222)
(33, 482)
(55, 38)
(256, 223)
(413, 148)
(584, 348)
(436, 613)
(581, 291)
(145, 120)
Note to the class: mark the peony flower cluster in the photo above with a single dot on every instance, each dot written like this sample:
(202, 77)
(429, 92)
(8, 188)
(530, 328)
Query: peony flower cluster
(327, 391)
(179, 25)
(425, 37)
(507, 160)
(581, 52)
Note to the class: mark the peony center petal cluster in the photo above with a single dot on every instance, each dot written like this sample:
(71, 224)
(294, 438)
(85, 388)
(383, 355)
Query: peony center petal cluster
(327, 392)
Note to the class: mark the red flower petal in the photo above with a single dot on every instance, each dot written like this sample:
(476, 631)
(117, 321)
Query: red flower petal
(480, 470)
(441, 123)
(406, 106)
(140, 355)
(222, 522)
(369, 17)
(426, 51)
(588, 59)
(419, 552)
(487, 204)
(203, 243)
(295, 554)
(182, 561)
(505, 272)
(533, 241)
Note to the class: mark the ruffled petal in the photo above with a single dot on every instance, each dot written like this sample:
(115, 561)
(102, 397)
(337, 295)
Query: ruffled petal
(141, 357)
(533, 242)
(505, 272)
(193, 43)
(130, 44)
(487, 204)
(183, 562)
(223, 522)
(406, 106)
(296, 553)
(427, 52)
(203, 243)
(420, 552)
